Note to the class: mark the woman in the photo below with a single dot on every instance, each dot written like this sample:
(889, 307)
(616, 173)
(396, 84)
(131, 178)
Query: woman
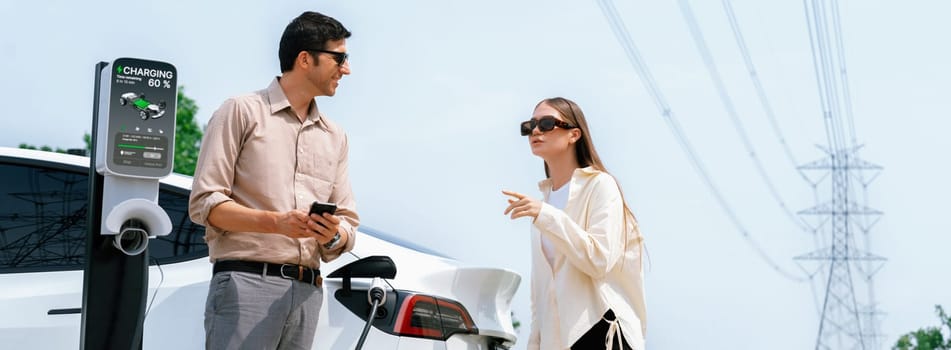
(587, 280)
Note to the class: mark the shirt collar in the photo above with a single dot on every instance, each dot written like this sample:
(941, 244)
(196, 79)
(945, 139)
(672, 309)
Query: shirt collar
(545, 185)
(278, 102)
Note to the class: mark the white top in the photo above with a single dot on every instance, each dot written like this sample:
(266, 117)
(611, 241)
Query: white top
(557, 198)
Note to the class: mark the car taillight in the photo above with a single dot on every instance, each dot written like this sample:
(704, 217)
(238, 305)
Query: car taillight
(434, 318)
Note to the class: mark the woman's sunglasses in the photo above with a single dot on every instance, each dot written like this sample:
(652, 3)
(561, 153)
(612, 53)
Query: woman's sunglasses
(545, 124)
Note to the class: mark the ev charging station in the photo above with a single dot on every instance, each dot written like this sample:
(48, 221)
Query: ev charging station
(133, 142)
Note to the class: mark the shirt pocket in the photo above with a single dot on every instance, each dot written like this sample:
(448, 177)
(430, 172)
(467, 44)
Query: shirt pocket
(322, 189)
(325, 169)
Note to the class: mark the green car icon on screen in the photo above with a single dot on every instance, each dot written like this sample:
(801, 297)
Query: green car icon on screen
(146, 109)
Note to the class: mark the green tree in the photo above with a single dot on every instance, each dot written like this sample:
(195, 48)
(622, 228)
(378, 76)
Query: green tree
(515, 322)
(929, 338)
(187, 136)
(43, 148)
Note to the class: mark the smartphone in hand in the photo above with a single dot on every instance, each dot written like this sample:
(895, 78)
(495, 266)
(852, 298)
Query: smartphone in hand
(320, 208)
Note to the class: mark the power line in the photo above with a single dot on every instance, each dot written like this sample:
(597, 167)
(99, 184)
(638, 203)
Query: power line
(634, 57)
(817, 70)
(757, 83)
(840, 54)
(727, 101)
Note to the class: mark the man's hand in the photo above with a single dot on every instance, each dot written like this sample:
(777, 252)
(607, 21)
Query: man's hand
(295, 224)
(325, 227)
(298, 224)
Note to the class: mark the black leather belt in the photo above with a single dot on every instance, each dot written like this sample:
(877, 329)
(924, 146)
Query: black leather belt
(288, 271)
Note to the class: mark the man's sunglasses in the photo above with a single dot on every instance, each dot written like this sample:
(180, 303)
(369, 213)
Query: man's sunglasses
(544, 124)
(339, 57)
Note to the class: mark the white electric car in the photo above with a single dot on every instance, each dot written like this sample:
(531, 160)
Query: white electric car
(434, 302)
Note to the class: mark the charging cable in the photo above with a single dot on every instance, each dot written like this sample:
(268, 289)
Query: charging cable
(376, 296)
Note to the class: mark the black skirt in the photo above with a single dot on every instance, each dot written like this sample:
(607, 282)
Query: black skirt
(594, 339)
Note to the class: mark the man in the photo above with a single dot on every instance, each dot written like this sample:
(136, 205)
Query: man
(265, 157)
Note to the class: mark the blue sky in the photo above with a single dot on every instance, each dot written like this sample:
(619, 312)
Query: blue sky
(438, 88)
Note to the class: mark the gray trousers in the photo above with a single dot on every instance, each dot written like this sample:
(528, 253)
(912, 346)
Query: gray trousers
(254, 311)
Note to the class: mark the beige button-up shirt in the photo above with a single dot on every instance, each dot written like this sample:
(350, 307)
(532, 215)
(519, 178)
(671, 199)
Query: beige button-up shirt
(596, 265)
(257, 153)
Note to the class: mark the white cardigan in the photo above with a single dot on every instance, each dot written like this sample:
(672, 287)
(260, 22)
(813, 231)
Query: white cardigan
(594, 268)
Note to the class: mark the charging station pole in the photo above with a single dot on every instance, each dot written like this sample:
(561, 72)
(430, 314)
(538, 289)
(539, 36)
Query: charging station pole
(133, 138)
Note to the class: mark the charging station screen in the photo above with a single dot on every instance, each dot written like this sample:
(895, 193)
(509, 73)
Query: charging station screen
(141, 125)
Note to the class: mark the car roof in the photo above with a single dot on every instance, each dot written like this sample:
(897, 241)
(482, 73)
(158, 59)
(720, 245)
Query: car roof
(175, 179)
(185, 182)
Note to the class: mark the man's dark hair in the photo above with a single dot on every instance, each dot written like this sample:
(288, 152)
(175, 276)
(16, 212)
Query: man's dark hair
(309, 31)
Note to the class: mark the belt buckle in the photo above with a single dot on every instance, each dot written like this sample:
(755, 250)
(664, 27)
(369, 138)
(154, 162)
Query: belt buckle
(285, 276)
(314, 278)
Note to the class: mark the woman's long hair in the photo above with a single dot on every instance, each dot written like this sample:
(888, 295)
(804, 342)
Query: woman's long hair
(584, 150)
